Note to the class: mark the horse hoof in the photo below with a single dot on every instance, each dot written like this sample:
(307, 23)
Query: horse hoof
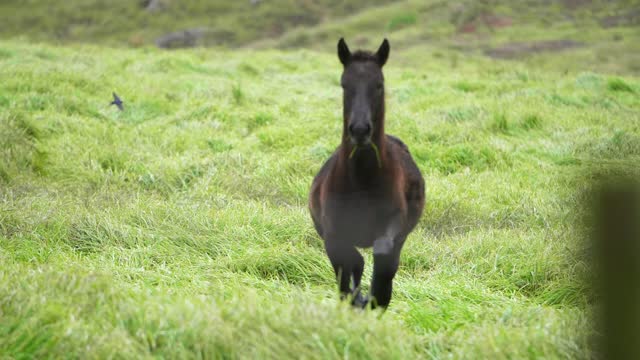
(360, 301)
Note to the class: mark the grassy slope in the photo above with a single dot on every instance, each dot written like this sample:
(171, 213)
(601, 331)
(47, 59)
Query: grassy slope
(125, 22)
(431, 26)
(179, 226)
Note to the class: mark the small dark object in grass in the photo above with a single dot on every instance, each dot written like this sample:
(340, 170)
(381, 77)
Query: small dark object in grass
(117, 102)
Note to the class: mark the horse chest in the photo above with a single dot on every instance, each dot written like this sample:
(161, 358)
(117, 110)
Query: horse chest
(358, 218)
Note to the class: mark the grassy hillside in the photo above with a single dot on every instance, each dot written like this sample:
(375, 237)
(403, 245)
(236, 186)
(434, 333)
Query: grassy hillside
(130, 23)
(593, 35)
(178, 227)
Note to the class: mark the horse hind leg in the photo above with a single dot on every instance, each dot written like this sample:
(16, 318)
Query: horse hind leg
(358, 299)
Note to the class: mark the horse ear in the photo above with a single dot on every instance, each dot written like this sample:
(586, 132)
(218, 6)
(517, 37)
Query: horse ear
(343, 52)
(383, 53)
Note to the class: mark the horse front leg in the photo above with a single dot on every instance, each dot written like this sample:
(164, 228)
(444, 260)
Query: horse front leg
(347, 265)
(386, 259)
(385, 267)
(358, 299)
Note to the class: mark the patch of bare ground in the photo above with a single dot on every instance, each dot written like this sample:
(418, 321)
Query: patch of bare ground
(629, 18)
(575, 4)
(521, 49)
(490, 22)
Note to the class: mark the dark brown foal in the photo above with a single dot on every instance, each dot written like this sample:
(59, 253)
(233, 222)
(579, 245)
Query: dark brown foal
(370, 192)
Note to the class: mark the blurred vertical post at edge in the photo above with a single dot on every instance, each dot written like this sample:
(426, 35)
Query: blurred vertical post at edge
(617, 244)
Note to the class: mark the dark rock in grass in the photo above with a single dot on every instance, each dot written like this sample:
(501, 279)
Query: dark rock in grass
(520, 49)
(181, 39)
(576, 4)
(152, 5)
(196, 37)
(630, 18)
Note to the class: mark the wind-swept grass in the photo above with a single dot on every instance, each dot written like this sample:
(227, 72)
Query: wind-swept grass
(178, 227)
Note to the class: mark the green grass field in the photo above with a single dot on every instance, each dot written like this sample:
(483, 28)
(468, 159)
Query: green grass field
(178, 227)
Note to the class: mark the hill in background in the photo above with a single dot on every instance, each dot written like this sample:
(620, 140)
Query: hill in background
(599, 36)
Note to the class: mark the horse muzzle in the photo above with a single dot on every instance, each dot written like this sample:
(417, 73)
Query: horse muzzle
(360, 133)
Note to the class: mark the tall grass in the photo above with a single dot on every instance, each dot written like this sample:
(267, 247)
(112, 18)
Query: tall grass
(178, 227)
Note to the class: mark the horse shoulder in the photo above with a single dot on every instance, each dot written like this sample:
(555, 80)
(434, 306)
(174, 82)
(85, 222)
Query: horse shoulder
(409, 181)
(320, 182)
